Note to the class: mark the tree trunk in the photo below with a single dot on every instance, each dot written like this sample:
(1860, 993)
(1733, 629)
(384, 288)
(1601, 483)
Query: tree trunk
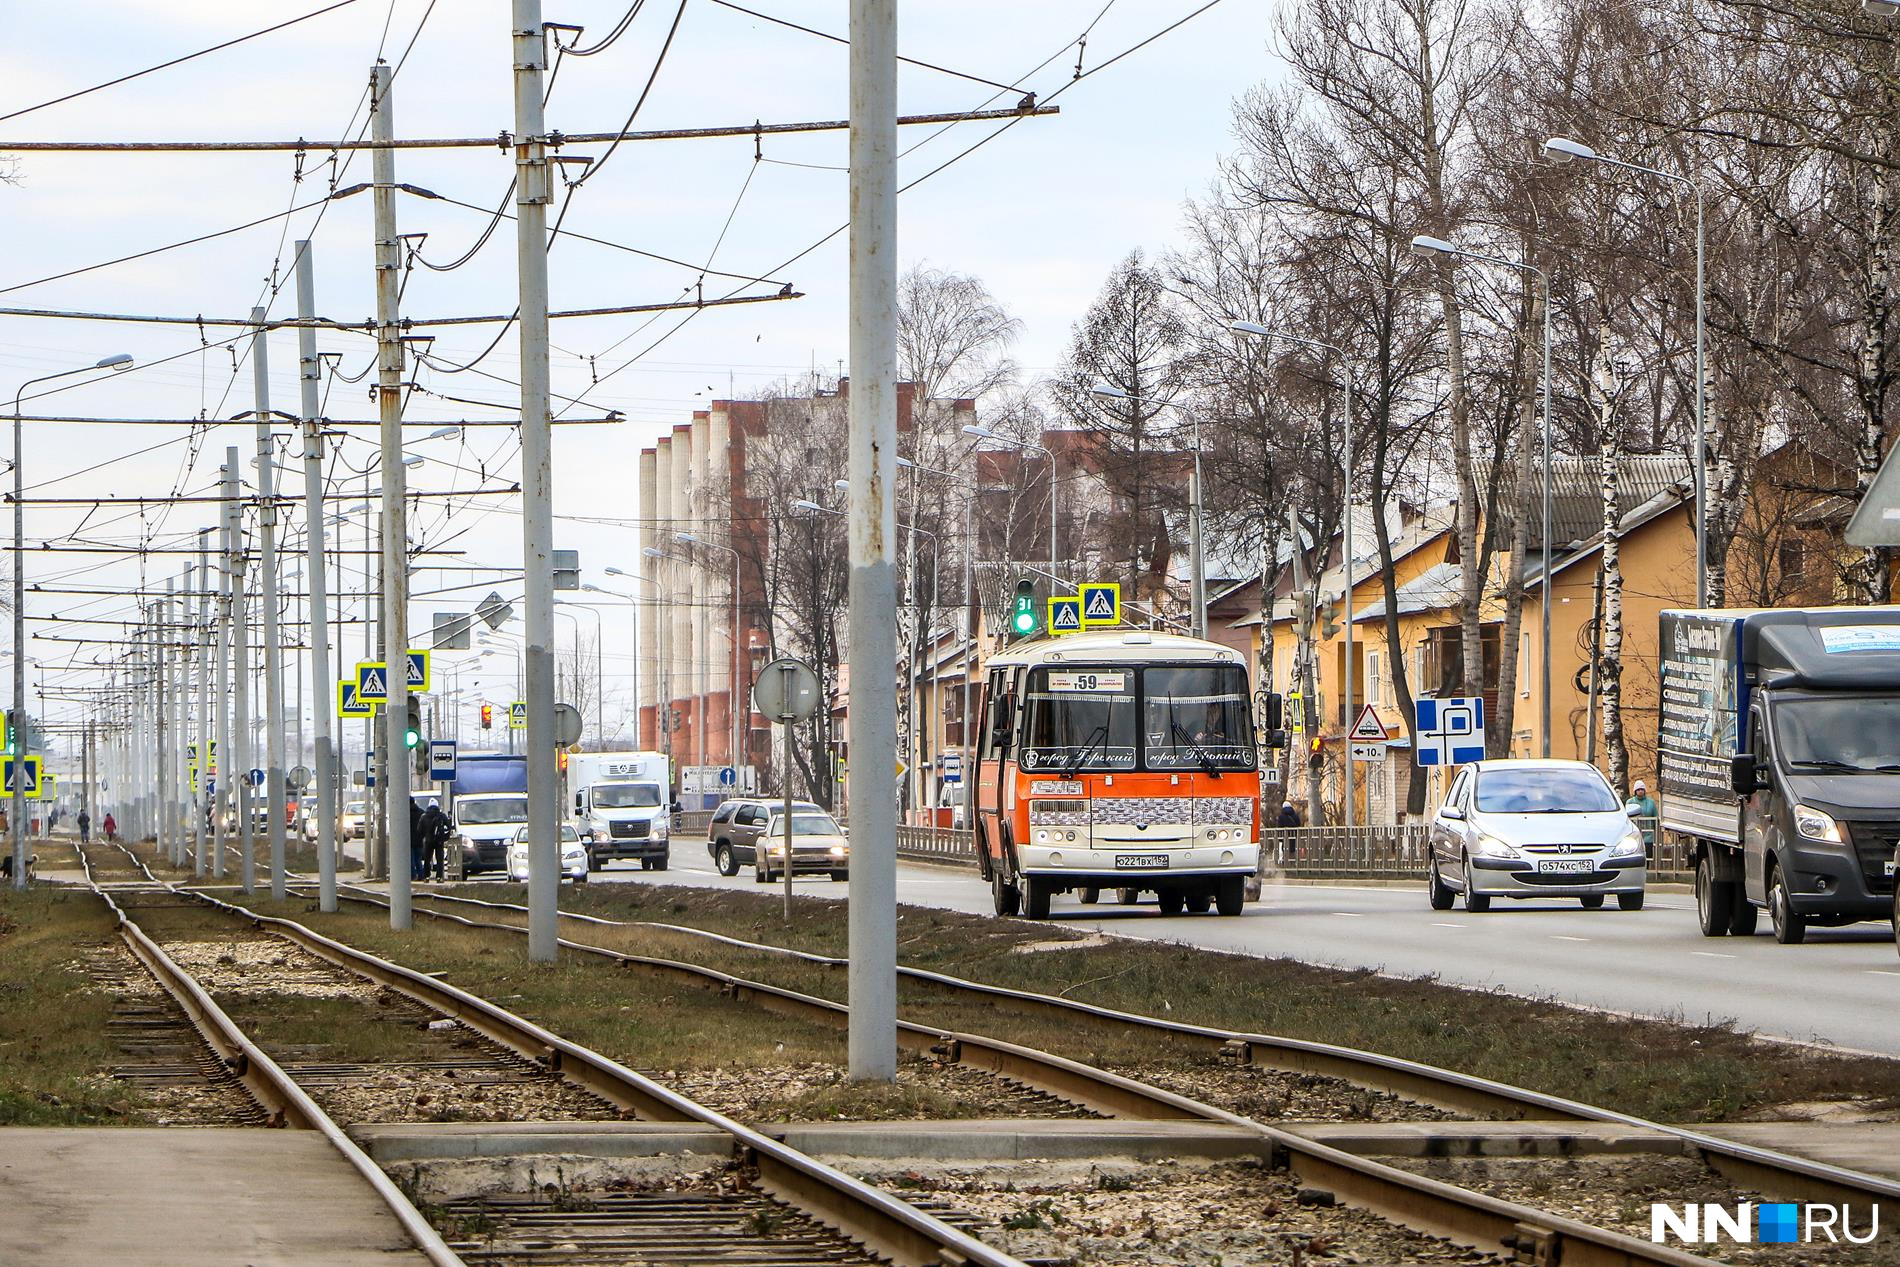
(1500, 740)
(1609, 665)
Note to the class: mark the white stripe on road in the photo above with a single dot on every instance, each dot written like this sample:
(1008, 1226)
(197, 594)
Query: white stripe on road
(1882, 972)
(1447, 925)
(1563, 938)
(1711, 954)
(1351, 914)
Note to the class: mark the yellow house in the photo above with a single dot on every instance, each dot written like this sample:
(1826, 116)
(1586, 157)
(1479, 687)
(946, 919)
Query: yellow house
(1656, 544)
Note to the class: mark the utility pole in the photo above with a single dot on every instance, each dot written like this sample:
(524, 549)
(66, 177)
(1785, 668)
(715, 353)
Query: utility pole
(872, 524)
(206, 731)
(537, 479)
(267, 584)
(229, 596)
(241, 684)
(187, 671)
(392, 766)
(161, 730)
(324, 765)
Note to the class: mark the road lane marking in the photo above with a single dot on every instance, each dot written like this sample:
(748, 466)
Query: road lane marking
(1711, 954)
(1560, 937)
(1882, 972)
(1350, 914)
(1447, 925)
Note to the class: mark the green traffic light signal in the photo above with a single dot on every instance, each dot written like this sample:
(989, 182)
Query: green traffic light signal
(412, 733)
(1022, 620)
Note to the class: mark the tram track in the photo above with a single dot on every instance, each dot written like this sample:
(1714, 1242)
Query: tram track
(1514, 1232)
(774, 1193)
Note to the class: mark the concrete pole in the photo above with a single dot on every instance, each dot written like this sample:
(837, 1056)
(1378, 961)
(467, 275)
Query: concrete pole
(1701, 411)
(16, 721)
(267, 582)
(1345, 546)
(1543, 673)
(187, 628)
(168, 845)
(205, 729)
(1197, 561)
(222, 741)
(537, 479)
(392, 764)
(240, 755)
(323, 771)
(873, 595)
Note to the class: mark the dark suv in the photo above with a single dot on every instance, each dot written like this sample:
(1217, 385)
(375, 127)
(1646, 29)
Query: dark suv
(733, 834)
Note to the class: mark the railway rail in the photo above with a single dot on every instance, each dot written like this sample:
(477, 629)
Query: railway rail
(821, 1214)
(1788, 1176)
(1519, 1233)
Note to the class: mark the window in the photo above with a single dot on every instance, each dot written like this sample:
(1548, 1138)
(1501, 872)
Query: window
(1547, 791)
(1375, 693)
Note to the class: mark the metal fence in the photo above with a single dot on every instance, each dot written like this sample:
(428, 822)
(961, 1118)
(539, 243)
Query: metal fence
(1344, 852)
(692, 822)
(937, 844)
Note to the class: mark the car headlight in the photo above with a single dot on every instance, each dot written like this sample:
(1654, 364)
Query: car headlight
(1497, 848)
(660, 828)
(837, 851)
(1816, 825)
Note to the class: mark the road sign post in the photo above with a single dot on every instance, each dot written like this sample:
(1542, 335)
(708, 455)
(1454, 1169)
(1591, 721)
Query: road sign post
(787, 692)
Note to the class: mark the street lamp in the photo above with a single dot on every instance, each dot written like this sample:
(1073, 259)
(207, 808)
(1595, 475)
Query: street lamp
(661, 678)
(1027, 446)
(600, 674)
(1424, 245)
(1562, 149)
(1259, 331)
(17, 793)
(734, 688)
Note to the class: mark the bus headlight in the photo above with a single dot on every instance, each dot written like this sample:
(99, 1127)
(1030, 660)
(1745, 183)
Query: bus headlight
(1042, 837)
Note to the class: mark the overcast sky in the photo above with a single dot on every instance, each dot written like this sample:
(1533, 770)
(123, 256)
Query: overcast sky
(1040, 214)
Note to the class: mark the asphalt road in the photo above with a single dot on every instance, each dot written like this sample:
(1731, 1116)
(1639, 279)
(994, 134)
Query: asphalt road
(1841, 987)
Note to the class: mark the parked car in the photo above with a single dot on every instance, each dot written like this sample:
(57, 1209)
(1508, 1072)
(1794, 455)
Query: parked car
(350, 824)
(573, 855)
(1530, 829)
(737, 824)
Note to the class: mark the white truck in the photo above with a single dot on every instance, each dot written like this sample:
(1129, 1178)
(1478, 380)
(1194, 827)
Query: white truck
(623, 801)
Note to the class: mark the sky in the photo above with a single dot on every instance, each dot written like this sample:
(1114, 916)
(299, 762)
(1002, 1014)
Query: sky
(1041, 214)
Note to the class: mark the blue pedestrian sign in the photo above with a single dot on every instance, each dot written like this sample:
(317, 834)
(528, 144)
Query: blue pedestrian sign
(418, 671)
(1450, 731)
(1065, 615)
(442, 761)
(31, 787)
(372, 683)
(1101, 603)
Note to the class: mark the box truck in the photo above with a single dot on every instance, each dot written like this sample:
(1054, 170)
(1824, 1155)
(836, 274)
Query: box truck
(1779, 762)
(488, 802)
(623, 800)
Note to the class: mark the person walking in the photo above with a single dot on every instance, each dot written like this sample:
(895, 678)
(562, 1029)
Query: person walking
(1641, 806)
(111, 826)
(432, 835)
(85, 827)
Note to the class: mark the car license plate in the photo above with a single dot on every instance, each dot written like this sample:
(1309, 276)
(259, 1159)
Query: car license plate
(1141, 862)
(1565, 866)
(1891, 864)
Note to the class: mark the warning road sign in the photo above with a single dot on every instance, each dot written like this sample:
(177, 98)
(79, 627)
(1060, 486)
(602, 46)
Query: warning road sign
(31, 790)
(348, 703)
(1101, 603)
(1368, 729)
(418, 670)
(1065, 615)
(372, 682)
(518, 715)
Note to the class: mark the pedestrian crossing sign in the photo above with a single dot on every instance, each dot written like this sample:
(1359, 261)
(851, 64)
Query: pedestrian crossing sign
(348, 704)
(372, 682)
(31, 788)
(1101, 603)
(1065, 615)
(418, 670)
(518, 715)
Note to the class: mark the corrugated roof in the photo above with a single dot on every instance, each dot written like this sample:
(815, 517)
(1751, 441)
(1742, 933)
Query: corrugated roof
(1435, 588)
(1576, 505)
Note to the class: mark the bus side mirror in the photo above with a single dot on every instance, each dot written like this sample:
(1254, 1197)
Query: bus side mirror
(1005, 714)
(1273, 716)
(1278, 738)
(1743, 774)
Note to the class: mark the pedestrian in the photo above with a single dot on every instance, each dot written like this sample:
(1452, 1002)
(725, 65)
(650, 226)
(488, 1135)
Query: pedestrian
(431, 839)
(1289, 816)
(418, 851)
(85, 827)
(111, 826)
(1641, 806)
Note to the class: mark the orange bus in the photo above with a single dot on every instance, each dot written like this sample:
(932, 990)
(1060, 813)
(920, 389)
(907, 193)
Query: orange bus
(1121, 760)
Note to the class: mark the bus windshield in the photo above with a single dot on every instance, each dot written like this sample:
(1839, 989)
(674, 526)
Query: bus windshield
(1079, 719)
(1197, 717)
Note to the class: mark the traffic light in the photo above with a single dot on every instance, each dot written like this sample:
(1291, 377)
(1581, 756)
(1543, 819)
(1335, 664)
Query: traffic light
(488, 716)
(412, 727)
(1022, 618)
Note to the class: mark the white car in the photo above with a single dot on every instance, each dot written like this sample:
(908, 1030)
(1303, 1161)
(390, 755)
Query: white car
(1534, 829)
(573, 855)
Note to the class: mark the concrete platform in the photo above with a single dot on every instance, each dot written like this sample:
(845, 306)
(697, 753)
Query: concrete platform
(1870, 1147)
(189, 1197)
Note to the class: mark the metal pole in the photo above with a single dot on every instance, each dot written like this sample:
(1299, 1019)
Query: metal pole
(872, 724)
(267, 584)
(227, 543)
(1197, 559)
(1544, 667)
(16, 722)
(786, 675)
(205, 729)
(738, 703)
(161, 781)
(1701, 423)
(188, 668)
(1345, 547)
(324, 764)
(241, 686)
(537, 480)
(392, 764)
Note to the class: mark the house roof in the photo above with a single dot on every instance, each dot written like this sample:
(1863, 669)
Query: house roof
(1435, 588)
(1576, 493)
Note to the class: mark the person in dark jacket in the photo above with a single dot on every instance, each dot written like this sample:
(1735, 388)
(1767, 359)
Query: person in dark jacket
(1289, 817)
(432, 837)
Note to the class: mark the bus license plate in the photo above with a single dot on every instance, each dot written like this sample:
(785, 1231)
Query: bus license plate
(1565, 866)
(1141, 862)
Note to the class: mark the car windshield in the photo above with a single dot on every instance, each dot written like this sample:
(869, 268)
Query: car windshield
(1543, 791)
(354, 807)
(568, 835)
(1854, 734)
(1079, 719)
(804, 825)
(501, 809)
(626, 796)
(1197, 718)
